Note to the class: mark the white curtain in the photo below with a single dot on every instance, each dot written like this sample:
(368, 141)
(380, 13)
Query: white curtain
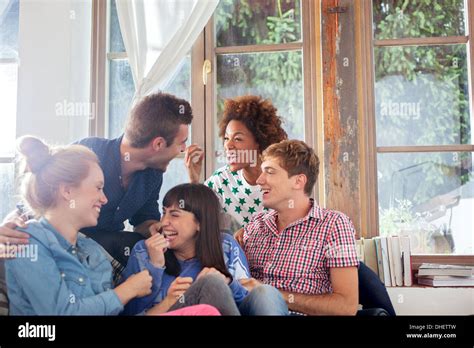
(4, 6)
(157, 34)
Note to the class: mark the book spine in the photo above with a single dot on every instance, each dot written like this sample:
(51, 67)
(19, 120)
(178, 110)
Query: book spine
(378, 250)
(370, 255)
(397, 261)
(386, 263)
(406, 256)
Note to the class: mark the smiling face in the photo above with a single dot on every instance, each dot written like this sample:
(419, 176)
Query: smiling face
(162, 156)
(180, 228)
(240, 146)
(278, 189)
(86, 200)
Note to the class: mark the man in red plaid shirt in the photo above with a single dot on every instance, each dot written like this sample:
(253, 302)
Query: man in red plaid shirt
(305, 251)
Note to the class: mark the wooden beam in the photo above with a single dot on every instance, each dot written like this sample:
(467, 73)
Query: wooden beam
(259, 48)
(439, 148)
(341, 161)
(423, 41)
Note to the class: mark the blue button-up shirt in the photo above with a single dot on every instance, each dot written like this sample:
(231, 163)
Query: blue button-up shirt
(138, 203)
(50, 276)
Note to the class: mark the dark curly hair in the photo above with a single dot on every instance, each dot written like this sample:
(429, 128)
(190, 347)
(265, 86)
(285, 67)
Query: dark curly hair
(258, 115)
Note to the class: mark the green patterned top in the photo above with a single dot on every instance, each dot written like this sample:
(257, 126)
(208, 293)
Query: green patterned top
(238, 198)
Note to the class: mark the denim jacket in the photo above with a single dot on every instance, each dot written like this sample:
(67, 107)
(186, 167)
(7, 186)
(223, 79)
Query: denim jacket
(63, 279)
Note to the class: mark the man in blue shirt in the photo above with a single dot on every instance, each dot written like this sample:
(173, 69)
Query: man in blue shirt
(133, 166)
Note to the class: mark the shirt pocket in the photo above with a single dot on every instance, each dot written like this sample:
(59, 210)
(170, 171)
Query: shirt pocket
(75, 282)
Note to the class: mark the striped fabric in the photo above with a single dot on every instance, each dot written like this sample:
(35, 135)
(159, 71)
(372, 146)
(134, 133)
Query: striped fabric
(298, 258)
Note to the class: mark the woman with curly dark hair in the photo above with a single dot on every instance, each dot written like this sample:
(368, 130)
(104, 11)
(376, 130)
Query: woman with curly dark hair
(249, 125)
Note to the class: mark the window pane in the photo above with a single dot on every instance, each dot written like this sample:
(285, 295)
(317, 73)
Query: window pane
(395, 19)
(270, 75)
(121, 90)
(115, 36)
(8, 94)
(422, 95)
(180, 83)
(175, 174)
(430, 197)
(251, 22)
(7, 199)
(9, 14)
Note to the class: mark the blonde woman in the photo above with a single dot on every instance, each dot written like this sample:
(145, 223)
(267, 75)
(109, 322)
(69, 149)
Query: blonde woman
(69, 273)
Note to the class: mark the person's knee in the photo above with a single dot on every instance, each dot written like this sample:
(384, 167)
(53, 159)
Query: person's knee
(212, 281)
(264, 300)
(270, 295)
(266, 291)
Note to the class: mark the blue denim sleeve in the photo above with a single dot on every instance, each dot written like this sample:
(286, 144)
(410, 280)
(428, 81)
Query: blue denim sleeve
(237, 266)
(238, 291)
(235, 258)
(137, 262)
(47, 292)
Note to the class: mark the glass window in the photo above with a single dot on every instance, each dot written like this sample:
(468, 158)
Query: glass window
(425, 189)
(9, 17)
(422, 95)
(115, 36)
(7, 181)
(9, 12)
(269, 73)
(121, 91)
(8, 94)
(430, 197)
(254, 22)
(394, 19)
(175, 174)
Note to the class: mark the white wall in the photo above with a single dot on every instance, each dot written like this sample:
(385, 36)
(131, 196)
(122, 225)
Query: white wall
(54, 51)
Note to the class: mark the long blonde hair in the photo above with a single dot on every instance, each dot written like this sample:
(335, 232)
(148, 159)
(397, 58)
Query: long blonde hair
(46, 168)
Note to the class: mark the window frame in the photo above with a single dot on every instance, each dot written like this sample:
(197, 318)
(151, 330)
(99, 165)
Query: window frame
(365, 45)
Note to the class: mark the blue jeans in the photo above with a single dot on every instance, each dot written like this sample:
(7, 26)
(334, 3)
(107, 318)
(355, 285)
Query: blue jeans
(264, 300)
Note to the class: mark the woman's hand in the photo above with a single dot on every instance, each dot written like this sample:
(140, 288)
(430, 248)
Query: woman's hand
(239, 237)
(212, 270)
(9, 237)
(138, 285)
(193, 159)
(156, 246)
(250, 283)
(177, 288)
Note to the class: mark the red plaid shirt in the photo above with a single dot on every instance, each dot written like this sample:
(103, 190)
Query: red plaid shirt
(299, 258)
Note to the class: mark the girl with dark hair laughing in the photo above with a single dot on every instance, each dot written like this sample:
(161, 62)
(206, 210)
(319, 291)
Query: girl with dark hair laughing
(192, 262)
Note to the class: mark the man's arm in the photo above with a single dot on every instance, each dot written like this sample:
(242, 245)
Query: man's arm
(344, 299)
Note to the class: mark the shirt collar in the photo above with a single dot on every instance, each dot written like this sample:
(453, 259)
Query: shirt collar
(65, 244)
(314, 213)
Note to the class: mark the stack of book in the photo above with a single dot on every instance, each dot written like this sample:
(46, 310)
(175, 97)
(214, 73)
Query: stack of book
(389, 257)
(445, 275)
